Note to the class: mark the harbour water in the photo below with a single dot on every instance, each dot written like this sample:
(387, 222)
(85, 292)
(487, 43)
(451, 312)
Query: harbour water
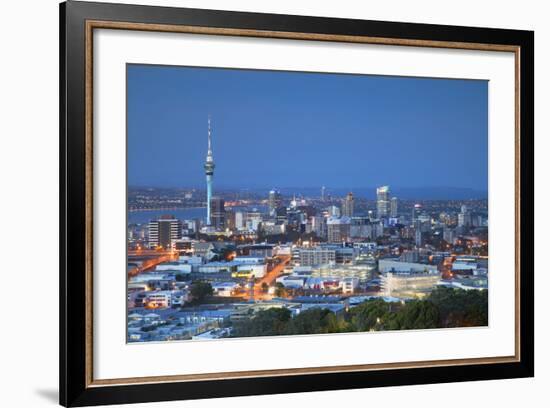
(144, 216)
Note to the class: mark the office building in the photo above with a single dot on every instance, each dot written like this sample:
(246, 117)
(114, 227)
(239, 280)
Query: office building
(217, 214)
(396, 266)
(334, 211)
(275, 201)
(393, 207)
(409, 284)
(415, 212)
(347, 206)
(383, 201)
(338, 229)
(164, 231)
(465, 217)
(317, 256)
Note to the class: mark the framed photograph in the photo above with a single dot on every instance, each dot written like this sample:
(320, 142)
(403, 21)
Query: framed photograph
(257, 204)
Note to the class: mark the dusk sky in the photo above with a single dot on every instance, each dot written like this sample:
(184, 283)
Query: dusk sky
(280, 129)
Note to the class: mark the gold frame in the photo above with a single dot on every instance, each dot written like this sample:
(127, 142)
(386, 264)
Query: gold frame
(99, 24)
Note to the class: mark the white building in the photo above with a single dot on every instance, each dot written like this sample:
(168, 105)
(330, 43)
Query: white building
(249, 260)
(291, 281)
(174, 266)
(317, 256)
(395, 266)
(256, 271)
(409, 284)
(224, 289)
(165, 298)
(217, 267)
(150, 276)
(349, 285)
(191, 260)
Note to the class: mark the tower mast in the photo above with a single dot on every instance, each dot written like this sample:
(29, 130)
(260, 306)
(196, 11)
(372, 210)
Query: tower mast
(209, 170)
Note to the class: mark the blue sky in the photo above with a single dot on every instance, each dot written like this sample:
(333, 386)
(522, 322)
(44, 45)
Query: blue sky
(288, 129)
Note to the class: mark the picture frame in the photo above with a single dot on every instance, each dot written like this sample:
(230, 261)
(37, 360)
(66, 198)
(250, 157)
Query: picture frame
(79, 21)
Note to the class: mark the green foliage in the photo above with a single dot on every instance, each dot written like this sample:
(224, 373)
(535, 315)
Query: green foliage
(200, 290)
(277, 321)
(313, 321)
(280, 290)
(443, 308)
(270, 322)
(461, 308)
(416, 315)
(370, 315)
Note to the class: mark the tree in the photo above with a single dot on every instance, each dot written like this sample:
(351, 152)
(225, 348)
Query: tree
(265, 287)
(180, 277)
(277, 321)
(314, 321)
(270, 322)
(280, 290)
(461, 308)
(416, 315)
(200, 290)
(370, 315)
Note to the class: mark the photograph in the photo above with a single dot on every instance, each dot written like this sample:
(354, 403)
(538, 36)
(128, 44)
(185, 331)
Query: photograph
(269, 203)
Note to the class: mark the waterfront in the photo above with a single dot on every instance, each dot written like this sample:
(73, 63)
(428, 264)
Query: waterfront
(144, 216)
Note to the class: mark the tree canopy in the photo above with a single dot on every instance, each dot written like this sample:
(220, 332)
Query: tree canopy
(445, 307)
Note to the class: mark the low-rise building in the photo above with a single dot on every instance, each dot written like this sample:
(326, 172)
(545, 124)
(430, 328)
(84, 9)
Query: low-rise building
(249, 260)
(292, 281)
(250, 271)
(317, 256)
(409, 284)
(165, 298)
(396, 266)
(218, 267)
(174, 266)
(224, 289)
(349, 285)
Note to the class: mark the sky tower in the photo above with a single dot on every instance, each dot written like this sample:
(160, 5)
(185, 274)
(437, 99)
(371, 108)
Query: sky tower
(209, 170)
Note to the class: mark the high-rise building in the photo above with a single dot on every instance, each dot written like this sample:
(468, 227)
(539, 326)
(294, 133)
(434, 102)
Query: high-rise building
(239, 220)
(334, 211)
(209, 170)
(323, 190)
(449, 235)
(317, 224)
(393, 207)
(418, 238)
(253, 220)
(465, 217)
(217, 216)
(415, 211)
(338, 229)
(275, 201)
(230, 220)
(164, 231)
(383, 201)
(347, 206)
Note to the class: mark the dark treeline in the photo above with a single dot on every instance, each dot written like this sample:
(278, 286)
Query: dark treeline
(443, 308)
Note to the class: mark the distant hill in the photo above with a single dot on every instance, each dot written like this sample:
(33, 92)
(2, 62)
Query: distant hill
(419, 193)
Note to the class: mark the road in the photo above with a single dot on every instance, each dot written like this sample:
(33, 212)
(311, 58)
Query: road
(269, 278)
(149, 259)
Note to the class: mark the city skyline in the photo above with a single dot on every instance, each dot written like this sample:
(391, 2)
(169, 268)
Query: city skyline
(175, 143)
(367, 193)
(213, 262)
